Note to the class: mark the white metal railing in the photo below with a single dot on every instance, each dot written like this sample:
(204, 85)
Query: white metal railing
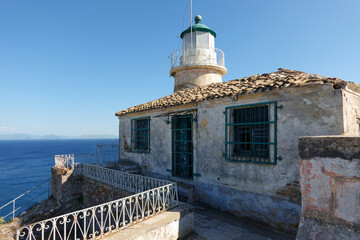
(107, 153)
(197, 56)
(153, 197)
(64, 161)
(16, 207)
(104, 154)
(123, 180)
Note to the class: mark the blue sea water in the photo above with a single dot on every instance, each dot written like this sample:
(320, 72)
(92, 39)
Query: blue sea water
(26, 163)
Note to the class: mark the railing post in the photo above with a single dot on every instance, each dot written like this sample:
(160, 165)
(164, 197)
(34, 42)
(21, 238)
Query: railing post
(13, 210)
(73, 162)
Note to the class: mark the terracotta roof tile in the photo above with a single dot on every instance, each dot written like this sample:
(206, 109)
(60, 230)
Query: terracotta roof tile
(283, 78)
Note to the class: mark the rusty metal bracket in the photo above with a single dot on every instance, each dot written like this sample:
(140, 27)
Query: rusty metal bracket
(165, 117)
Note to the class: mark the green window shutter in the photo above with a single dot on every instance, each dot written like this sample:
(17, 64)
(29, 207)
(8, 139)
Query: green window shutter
(140, 135)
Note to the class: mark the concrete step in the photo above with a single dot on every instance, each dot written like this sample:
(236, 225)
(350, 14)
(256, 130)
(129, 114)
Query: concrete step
(186, 192)
(125, 166)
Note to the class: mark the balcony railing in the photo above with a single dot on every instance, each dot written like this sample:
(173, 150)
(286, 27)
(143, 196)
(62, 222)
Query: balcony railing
(152, 197)
(197, 56)
(104, 154)
(64, 161)
(122, 180)
(33, 195)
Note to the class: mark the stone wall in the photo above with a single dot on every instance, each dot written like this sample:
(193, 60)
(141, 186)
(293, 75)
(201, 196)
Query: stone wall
(94, 193)
(238, 187)
(68, 189)
(330, 187)
(62, 182)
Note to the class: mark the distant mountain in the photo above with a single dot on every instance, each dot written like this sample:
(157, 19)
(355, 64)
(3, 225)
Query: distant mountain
(19, 136)
(103, 136)
(51, 137)
(15, 136)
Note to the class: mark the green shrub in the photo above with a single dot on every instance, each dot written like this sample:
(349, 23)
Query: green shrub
(2, 221)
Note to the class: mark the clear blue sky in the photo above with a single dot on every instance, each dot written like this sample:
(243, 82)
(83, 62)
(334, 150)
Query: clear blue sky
(67, 66)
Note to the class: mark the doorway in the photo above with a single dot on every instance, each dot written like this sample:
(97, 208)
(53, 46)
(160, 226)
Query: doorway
(182, 146)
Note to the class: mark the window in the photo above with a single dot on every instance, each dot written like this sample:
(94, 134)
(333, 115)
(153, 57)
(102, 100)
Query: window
(251, 133)
(140, 135)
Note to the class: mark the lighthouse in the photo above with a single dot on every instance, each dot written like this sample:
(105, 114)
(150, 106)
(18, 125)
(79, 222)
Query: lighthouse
(198, 62)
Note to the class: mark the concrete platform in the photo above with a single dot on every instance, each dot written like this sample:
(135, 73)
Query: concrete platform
(210, 224)
(170, 225)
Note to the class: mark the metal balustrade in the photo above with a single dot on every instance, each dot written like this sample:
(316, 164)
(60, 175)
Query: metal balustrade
(104, 154)
(123, 180)
(35, 193)
(153, 197)
(107, 153)
(197, 56)
(64, 161)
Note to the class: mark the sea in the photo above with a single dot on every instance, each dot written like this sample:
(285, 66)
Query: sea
(25, 164)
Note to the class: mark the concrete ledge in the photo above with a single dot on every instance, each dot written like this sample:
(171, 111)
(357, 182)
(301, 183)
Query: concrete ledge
(317, 229)
(215, 67)
(172, 224)
(344, 147)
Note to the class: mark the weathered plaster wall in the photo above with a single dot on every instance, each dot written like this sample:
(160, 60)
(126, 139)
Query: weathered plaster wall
(265, 193)
(351, 111)
(304, 111)
(330, 186)
(193, 77)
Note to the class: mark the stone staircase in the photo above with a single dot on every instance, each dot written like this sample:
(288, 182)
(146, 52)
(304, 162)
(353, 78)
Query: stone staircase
(186, 192)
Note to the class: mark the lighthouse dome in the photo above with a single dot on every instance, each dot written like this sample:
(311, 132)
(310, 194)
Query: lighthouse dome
(198, 26)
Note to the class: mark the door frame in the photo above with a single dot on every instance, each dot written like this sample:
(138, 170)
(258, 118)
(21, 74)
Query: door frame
(173, 144)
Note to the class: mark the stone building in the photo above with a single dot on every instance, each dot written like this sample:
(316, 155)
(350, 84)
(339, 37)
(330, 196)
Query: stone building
(236, 142)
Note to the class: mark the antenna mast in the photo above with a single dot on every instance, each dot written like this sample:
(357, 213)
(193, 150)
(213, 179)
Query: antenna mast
(191, 39)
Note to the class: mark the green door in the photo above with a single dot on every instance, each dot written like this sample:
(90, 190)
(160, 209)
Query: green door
(182, 148)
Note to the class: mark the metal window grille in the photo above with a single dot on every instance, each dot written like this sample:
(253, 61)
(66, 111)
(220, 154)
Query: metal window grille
(251, 133)
(140, 135)
(182, 146)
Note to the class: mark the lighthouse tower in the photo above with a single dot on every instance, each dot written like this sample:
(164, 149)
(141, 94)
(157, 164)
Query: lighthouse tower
(198, 63)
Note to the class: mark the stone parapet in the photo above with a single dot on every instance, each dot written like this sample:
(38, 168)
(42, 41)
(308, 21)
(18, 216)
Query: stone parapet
(66, 187)
(62, 183)
(343, 147)
(330, 187)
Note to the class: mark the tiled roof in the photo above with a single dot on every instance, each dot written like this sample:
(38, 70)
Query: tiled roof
(257, 83)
